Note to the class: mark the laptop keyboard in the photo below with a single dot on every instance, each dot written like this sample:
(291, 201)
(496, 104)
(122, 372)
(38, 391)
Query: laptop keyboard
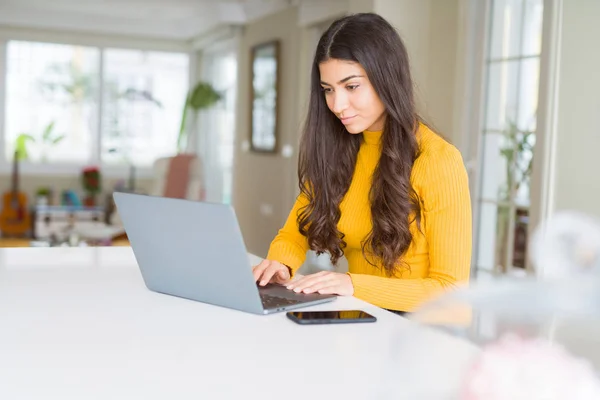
(270, 301)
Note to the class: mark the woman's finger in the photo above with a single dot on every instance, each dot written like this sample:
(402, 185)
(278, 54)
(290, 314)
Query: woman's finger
(283, 275)
(333, 289)
(308, 281)
(259, 269)
(304, 279)
(299, 282)
(269, 272)
(315, 287)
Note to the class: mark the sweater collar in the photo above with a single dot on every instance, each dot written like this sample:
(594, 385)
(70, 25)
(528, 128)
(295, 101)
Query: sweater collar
(372, 137)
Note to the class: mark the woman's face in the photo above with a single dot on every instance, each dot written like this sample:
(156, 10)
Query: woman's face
(351, 97)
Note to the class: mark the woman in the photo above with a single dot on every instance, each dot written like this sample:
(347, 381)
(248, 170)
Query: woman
(377, 185)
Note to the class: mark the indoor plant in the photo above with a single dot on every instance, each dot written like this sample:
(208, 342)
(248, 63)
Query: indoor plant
(202, 96)
(91, 184)
(518, 154)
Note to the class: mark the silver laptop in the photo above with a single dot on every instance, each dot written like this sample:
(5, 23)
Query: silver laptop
(195, 250)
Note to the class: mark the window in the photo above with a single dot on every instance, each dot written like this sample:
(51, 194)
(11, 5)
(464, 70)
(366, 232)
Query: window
(508, 136)
(144, 94)
(77, 105)
(51, 101)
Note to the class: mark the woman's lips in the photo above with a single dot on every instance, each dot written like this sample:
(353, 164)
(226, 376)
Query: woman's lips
(347, 120)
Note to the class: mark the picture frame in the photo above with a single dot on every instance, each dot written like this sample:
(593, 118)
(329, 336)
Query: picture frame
(264, 97)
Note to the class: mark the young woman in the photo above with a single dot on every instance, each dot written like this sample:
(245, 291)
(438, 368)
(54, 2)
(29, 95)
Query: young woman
(377, 185)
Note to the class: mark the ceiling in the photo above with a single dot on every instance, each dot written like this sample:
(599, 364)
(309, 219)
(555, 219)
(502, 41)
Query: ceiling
(167, 19)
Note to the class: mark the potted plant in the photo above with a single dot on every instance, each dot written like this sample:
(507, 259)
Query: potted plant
(202, 96)
(43, 196)
(91, 185)
(46, 140)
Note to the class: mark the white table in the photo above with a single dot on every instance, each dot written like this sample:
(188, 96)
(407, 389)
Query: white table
(78, 323)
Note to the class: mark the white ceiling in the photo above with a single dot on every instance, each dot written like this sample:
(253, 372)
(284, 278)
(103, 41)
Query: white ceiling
(167, 19)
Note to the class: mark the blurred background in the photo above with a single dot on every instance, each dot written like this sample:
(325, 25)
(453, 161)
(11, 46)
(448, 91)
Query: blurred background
(205, 99)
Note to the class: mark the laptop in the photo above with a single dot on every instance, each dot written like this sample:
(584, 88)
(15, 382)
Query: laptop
(195, 250)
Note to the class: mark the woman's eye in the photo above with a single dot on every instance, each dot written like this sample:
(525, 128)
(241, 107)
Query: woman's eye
(326, 90)
(351, 87)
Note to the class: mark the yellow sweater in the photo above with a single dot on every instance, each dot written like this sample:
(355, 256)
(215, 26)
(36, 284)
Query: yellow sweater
(439, 258)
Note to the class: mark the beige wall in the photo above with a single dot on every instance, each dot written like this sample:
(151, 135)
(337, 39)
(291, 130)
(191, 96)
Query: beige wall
(262, 184)
(429, 29)
(358, 6)
(440, 87)
(411, 19)
(576, 183)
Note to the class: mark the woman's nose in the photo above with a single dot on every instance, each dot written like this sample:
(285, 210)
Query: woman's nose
(340, 103)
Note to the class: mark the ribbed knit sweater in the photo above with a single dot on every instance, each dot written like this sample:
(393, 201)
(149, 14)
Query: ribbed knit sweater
(439, 255)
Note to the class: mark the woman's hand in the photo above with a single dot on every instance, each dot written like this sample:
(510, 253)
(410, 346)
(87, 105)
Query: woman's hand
(324, 282)
(271, 272)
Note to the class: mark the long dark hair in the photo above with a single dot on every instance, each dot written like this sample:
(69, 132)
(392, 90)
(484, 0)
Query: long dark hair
(328, 152)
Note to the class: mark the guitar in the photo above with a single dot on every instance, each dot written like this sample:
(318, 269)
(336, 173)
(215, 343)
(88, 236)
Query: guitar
(15, 219)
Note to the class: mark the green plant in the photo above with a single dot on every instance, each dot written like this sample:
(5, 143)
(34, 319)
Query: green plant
(518, 153)
(46, 140)
(202, 96)
(43, 191)
(21, 146)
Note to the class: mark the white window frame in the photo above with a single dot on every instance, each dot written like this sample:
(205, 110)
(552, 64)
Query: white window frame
(81, 39)
(471, 72)
(544, 162)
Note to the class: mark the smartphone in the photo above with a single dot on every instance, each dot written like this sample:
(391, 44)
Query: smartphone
(330, 317)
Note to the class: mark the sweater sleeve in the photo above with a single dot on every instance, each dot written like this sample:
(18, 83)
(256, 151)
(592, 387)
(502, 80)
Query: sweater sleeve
(446, 223)
(289, 246)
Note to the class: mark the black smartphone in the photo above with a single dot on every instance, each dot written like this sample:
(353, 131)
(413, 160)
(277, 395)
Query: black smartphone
(330, 317)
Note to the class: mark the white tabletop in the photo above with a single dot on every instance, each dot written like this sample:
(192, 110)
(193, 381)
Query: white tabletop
(78, 323)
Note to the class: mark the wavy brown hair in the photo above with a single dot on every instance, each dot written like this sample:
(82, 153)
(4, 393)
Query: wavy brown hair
(328, 152)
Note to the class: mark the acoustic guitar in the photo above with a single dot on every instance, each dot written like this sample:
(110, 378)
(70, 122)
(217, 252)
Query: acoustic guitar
(15, 219)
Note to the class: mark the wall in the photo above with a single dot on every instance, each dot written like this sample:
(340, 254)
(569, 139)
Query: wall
(411, 19)
(440, 80)
(576, 181)
(430, 31)
(261, 184)
(358, 6)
